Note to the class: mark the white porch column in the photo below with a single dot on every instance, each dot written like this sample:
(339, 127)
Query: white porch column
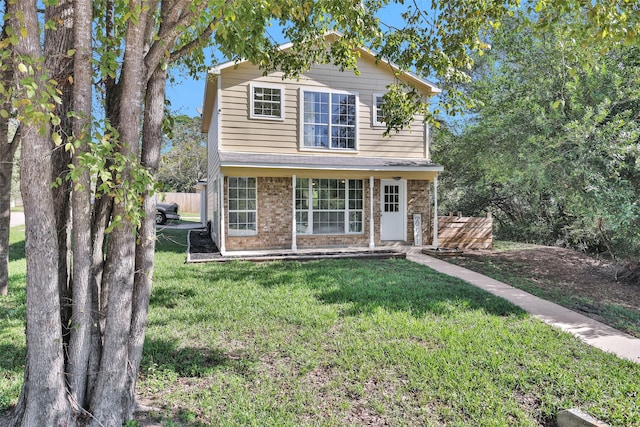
(221, 200)
(435, 211)
(294, 242)
(372, 227)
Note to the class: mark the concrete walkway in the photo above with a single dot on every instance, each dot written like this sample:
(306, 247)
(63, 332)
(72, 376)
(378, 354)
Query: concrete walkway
(590, 331)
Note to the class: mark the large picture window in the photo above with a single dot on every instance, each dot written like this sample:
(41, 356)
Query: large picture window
(329, 206)
(329, 120)
(242, 206)
(267, 102)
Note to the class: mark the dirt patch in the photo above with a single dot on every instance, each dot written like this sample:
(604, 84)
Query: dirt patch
(561, 271)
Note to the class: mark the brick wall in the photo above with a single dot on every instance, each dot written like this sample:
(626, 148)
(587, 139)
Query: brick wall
(275, 218)
(418, 203)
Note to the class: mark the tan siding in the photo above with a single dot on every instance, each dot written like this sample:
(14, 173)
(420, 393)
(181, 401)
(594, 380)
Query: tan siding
(239, 133)
(213, 169)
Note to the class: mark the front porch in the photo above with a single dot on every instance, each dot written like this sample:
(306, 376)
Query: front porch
(202, 249)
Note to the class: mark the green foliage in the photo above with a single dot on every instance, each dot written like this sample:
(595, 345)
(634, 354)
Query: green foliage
(116, 175)
(399, 107)
(552, 146)
(184, 160)
(35, 96)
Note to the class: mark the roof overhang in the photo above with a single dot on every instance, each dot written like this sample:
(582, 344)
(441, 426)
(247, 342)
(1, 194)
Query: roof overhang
(210, 94)
(309, 164)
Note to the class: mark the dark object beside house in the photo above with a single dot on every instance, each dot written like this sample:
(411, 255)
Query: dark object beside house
(166, 211)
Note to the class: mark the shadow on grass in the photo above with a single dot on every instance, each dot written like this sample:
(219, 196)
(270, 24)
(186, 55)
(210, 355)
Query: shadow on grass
(164, 356)
(169, 297)
(12, 357)
(17, 250)
(395, 285)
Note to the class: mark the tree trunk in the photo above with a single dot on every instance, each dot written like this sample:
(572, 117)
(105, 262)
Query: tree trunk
(111, 400)
(83, 321)
(44, 395)
(59, 66)
(150, 159)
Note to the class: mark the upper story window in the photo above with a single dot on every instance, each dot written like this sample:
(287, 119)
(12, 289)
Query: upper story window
(329, 120)
(378, 115)
(267, 101)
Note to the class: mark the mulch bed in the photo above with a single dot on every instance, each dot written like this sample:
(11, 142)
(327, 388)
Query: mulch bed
(201, 247)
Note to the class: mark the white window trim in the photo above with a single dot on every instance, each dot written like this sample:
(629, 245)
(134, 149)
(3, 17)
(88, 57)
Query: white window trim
(301, 145)
(346, 210)
(240, 233)
(374, 112)
(252, 87)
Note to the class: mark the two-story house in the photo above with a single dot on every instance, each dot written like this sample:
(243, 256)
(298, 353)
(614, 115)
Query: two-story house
(303, 163)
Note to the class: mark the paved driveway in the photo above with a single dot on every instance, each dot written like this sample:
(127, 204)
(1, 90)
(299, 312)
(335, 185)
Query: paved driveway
(182, 225)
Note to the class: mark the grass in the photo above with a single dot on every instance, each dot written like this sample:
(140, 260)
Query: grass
(349, 342)
(12, 315)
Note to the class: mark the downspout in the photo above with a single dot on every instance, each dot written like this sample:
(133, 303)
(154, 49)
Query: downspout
(294, 242)
(427, 141)
(371, 218)
(221, 199)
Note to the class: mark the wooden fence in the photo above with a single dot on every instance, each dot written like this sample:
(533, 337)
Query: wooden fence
(187, 202)
(465, 232)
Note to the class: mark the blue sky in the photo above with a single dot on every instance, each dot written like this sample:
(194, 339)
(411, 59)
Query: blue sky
(187, 94)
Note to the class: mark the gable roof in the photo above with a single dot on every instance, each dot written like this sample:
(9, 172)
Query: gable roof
(211, 84)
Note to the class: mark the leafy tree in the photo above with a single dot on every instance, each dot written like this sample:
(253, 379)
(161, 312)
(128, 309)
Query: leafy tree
(84, 349)
(185, 159)
(552, 147)
(87, 301)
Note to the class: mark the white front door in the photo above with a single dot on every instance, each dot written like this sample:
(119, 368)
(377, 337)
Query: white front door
(393, 208)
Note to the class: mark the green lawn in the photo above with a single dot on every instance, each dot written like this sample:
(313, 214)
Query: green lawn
(346, 342)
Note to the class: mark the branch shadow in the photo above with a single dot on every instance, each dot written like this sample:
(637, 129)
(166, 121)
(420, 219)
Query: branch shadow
(392, 284)
(165, 355)
(13, 357)
(169, 297)
(17, 250)
(400, 285)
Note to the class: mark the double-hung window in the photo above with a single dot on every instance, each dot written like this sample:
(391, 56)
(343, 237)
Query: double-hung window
(329, 120)
(378, 115)
(267, 101)
(243, 206)
(329, 206)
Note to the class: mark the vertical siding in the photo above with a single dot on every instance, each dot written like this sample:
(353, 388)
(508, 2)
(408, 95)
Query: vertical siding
(239, 133)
